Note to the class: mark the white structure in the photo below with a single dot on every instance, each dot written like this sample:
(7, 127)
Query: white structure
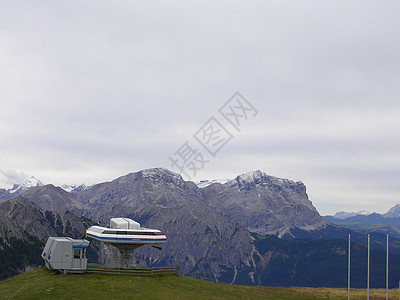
(123, 223)
(65, 254)
(126, 235)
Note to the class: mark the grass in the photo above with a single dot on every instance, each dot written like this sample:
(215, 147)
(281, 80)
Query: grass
(45, 284)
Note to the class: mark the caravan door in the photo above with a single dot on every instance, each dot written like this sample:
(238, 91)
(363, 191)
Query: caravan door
(79, 258)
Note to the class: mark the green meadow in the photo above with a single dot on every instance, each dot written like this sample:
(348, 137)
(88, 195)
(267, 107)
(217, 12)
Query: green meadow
(44, 284)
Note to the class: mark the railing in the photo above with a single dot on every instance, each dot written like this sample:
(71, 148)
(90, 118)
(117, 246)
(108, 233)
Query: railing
(173, 270)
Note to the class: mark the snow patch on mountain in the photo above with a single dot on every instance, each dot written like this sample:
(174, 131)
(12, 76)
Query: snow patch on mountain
(258, 178)
(73, 188)
(27, 184)
(157, 174)
(204, 183)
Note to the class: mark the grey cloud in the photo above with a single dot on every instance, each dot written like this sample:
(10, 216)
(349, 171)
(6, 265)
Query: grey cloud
(92, 90)
(10, 177)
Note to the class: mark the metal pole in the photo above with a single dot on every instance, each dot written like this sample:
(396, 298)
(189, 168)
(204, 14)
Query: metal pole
(368, 269)
(348, 273)
(387, 266)
(101, 258)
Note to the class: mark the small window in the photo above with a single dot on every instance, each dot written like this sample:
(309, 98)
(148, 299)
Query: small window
(110, 232)
(77, 253)
(138, 233)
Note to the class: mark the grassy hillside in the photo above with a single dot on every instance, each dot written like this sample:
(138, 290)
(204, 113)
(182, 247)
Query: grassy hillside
(44, 284)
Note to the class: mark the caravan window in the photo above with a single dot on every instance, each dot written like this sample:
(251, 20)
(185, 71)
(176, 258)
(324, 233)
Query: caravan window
(77, 253)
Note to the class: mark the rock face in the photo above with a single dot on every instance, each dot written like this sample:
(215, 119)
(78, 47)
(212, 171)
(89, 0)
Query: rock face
(51, 198)
(24, 229)
(265, 204)
(203, 242)
(19, 216)
(3, 194)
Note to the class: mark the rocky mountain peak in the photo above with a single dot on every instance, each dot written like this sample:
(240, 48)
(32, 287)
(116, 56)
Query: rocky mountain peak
(149, 187)
(161, 174)
(249, 179)
(257, 179)
(394, 212)
(27, 184)
(265, 204)
(50, 197)
(251, 176)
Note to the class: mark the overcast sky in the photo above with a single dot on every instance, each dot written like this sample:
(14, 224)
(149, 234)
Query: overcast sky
(93, 90)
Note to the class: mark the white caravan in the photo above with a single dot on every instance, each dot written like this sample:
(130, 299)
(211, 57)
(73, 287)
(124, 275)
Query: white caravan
(65, 254)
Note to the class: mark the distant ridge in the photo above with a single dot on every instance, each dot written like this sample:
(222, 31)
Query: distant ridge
(344, 215)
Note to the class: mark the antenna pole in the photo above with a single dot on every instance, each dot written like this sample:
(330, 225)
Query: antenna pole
(387, 266)
(348, 273)
(368, 268)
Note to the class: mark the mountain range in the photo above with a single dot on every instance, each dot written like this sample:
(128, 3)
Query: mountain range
(31, 182)
(388, 223)
(224, 231)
